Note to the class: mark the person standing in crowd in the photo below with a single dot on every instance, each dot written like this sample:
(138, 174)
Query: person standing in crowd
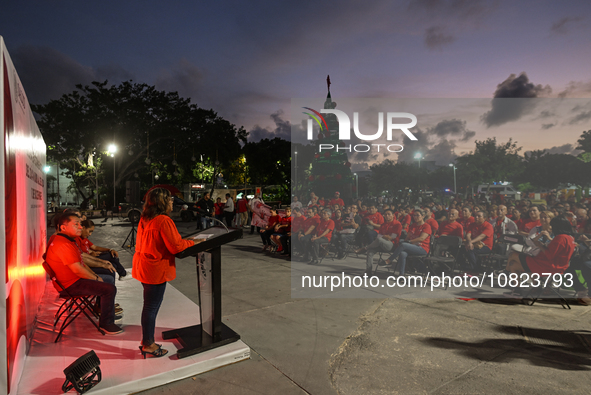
(255, 220)
(242, 211)
(219, 209)
(205, 208)
(229, 210)
(158, 240)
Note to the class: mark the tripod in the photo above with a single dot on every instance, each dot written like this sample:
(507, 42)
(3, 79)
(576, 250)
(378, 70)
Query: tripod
(131, 238)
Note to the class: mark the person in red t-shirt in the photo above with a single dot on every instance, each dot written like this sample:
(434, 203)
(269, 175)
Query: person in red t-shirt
(416, 243)
(451, 227)
(268, 231)
(322, 234)
(387, 239)
(306, 233)
(65, 259)
(281, 228)
(429, 219)
(242, 211)
(219, 209)
(467, 219)
(479, 240)
(337, 200)
(553, 258)
(372, 224)
(534, 220)
(516, 217)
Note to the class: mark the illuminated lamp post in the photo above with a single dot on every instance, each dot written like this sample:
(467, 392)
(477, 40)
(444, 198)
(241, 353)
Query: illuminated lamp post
(112, 150)
(455, 187)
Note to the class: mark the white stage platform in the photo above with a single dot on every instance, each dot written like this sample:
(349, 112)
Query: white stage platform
(123, 368)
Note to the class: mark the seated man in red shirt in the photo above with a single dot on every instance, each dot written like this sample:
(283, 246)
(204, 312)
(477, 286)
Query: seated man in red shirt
(337, 200)
(306, 233)
(467, 219)
(322, 234)
(451, 227)
(387, 239)
(268, 231)
(65, 259)
(479, 240)
(416, 243)
(430, 219)
(372, 224)
(534, 220)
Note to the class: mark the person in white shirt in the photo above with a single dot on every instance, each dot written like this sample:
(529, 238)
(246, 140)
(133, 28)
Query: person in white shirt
(229, 210)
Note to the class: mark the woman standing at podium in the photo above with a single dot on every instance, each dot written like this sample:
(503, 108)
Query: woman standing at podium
(158, 240)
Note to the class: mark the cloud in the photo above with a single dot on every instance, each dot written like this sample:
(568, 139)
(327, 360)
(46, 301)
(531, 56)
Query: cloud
(562, 149)
(282, 129)
(562, 26)
(460, 9)
(452, 127)
(547, 126)
(546, 114)
(48, 74)
(441, 151)
(576, 88)
(583, 116)
(468, 135)
(513, 87)
(184, 78)
(436, 37)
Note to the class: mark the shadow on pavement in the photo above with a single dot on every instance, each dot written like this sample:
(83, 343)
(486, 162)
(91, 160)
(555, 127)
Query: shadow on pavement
(557, 349)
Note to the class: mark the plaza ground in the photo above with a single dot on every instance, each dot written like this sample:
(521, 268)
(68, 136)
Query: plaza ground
(399, 345)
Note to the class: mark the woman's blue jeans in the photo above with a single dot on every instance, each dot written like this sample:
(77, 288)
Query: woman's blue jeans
(153, 296)
(404, 250)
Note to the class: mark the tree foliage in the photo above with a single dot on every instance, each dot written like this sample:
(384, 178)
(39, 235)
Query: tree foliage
(155, 132)
(268, 163)
(489, 162)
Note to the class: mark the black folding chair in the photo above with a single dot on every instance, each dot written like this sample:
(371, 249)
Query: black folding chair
(498, 257)
(545, 284)
(444, 253)
(72, 305)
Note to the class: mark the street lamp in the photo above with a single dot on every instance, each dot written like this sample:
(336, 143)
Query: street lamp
(455, 188)
(419, 156)
(112, 150)
(295, 180)
(356, 185)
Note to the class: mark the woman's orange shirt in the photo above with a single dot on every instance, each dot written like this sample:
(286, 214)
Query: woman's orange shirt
(158, 240)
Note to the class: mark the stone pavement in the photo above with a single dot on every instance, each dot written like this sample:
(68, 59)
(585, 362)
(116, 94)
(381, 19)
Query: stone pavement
(400, 345)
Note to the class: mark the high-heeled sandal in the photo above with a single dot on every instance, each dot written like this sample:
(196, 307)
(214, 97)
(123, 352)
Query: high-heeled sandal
(159, 352)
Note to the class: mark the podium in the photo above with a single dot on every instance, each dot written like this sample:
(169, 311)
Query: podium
(211, 333)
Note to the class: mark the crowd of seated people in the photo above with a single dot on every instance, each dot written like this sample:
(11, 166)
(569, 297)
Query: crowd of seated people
(397, 231)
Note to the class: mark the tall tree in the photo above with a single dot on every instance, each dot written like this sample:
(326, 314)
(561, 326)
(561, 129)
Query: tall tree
(155, 132)
(267, 163)
(490, 162)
